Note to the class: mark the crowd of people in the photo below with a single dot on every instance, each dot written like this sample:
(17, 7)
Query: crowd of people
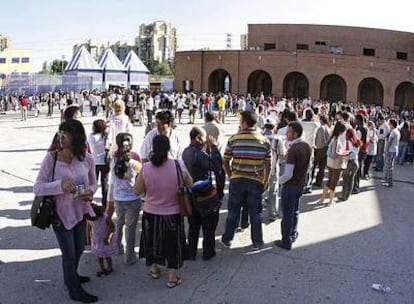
(284, 148)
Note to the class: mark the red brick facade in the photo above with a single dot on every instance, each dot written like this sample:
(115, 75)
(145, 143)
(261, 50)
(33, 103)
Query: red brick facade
(323, 62)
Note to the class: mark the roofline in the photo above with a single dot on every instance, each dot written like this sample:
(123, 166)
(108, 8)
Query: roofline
(331, 25)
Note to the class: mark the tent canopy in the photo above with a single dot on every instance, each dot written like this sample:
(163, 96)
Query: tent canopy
(134, 64)
(83, 61)
(110, 62)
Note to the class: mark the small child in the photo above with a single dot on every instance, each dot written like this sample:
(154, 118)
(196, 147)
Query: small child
(103, 240)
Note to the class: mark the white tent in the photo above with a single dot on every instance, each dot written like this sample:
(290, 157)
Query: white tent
(138, 73)
(83, 64)
(114, 72)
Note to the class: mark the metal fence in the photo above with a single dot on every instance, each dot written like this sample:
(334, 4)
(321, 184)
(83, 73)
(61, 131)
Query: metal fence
(37, 83)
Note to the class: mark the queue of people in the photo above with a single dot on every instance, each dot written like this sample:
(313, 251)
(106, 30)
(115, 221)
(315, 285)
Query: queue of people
(273, 165)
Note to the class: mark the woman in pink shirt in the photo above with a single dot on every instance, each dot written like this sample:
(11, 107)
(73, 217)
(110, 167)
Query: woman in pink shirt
(162, 237)
(73, 186)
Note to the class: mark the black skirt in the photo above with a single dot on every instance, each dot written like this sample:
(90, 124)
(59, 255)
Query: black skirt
(162, 240)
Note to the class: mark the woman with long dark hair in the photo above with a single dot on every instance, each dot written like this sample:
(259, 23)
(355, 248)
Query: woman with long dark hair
(162, 237)
(125, 167)
(336, 162)
(73, 185)
(352, 144)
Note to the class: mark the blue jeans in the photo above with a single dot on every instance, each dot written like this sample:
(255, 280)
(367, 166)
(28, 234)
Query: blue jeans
(290, 212)
(402, 152)
(240, 190)
(71, 243)
(379, 162)
(127, 213)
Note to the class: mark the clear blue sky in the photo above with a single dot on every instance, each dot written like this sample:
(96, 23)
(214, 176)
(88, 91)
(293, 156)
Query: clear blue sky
(50, 28)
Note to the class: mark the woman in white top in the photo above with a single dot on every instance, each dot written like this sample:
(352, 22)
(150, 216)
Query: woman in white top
(97, 145)
(337, 161)
(125, 167)
(119, 123)
(372, 138)
(180, 107)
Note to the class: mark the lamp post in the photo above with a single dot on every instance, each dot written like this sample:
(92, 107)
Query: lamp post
(63, 60)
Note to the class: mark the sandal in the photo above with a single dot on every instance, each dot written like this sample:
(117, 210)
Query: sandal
(172, 284)
(155, 274)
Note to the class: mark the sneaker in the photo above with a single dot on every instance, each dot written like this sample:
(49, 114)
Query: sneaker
(256, 247)
(226, 244)
(387, 184)
(84, 298)
(281, 244)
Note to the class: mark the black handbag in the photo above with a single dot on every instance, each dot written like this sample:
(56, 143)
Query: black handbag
(205, 197)
(43, 207)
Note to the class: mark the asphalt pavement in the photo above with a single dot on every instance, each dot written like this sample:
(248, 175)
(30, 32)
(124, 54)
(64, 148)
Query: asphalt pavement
(341, 250)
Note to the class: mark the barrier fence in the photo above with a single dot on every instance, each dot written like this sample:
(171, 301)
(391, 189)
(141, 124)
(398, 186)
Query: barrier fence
(38, 83)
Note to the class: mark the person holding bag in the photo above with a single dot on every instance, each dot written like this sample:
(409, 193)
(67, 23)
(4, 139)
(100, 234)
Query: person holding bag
(337, 162)
(162, 238)
(199, 163)
(73, 186)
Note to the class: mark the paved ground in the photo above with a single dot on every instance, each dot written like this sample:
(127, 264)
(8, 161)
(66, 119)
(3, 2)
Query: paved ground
(341, 251)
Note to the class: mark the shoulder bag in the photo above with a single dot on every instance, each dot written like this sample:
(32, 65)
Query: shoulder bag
(184, 193)
(205, 197)
(43, 207)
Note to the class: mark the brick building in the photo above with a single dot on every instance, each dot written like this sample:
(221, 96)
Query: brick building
(297, 60)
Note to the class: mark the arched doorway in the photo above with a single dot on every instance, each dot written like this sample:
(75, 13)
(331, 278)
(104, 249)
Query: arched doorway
(333, 88)
(259, 81)
(295, 85)
(371, 91)
(404, 96)
(219, 81)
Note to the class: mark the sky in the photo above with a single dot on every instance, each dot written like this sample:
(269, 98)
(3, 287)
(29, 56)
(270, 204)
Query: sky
(51, 28)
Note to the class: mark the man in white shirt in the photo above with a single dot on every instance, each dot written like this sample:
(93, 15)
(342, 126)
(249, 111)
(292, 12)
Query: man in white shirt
(391, 152)
(164, 122)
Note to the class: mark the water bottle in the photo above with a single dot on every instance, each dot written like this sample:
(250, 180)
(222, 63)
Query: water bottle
(381, 288)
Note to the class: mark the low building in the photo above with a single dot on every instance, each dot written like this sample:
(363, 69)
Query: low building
(372, 66)
(15, 61)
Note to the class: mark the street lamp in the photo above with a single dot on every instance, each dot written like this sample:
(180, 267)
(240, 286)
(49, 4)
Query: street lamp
(63, 60)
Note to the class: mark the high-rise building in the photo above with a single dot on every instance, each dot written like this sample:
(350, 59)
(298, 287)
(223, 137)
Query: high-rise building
(157, 42)
(244, 42)
(122, 48)
(4, 42)
(95, 48)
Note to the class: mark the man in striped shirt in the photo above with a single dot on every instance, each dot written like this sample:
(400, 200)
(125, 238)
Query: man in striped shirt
(247, 162)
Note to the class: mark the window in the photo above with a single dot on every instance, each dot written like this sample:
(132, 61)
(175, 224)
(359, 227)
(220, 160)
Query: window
(320, 42)
(2, 60)
(15, 60)
(269, 46)
(369, 52)
(402, 55)
(25, 59)
(302, 46)
(336, 49)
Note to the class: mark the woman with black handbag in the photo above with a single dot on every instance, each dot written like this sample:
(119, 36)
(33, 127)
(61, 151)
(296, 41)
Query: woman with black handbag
(73, 186)
(199, 163)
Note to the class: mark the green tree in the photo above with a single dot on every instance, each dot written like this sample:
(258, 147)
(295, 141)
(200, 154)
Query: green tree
(58, 66)
(45, 68)
(161, 68)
